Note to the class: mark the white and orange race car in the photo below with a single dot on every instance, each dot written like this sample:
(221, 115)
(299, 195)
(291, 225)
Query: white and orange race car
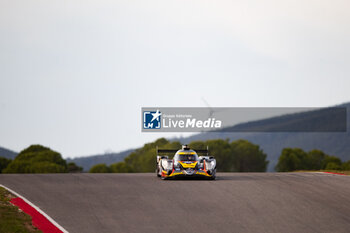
(185, 164)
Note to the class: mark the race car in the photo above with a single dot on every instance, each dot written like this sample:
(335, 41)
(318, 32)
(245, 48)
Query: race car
(185, 164)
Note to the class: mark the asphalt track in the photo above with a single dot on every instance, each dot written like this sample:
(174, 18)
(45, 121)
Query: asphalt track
(235, 202)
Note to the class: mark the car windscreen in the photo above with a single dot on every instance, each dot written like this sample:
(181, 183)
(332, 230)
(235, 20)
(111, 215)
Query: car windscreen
(188, 157)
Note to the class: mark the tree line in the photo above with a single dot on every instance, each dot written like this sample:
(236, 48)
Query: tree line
(234, 156)
(294, 159)
(37, 159)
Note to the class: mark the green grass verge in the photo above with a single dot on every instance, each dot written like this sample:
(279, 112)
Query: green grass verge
(12, 220)
(334, 171)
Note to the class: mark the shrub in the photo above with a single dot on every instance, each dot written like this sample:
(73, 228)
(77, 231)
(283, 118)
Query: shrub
(37, 159)
(100, 168)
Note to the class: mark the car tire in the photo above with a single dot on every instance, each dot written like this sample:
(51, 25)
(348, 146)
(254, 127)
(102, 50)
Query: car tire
(214, 175)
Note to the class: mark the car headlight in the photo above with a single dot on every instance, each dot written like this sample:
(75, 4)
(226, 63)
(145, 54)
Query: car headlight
(210, 165)
(170, 165)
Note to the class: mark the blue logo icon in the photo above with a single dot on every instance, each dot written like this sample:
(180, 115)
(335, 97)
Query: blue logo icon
(151, 119)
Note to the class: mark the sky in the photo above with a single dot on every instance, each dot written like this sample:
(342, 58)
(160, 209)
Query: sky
(75, 74)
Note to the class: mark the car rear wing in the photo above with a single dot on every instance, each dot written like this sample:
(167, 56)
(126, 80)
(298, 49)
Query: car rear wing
(172, 151)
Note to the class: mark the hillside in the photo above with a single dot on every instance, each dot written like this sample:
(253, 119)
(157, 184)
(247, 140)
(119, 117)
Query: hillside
(88, 161)
(272, 143)
(7, 153)
(333, 143)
